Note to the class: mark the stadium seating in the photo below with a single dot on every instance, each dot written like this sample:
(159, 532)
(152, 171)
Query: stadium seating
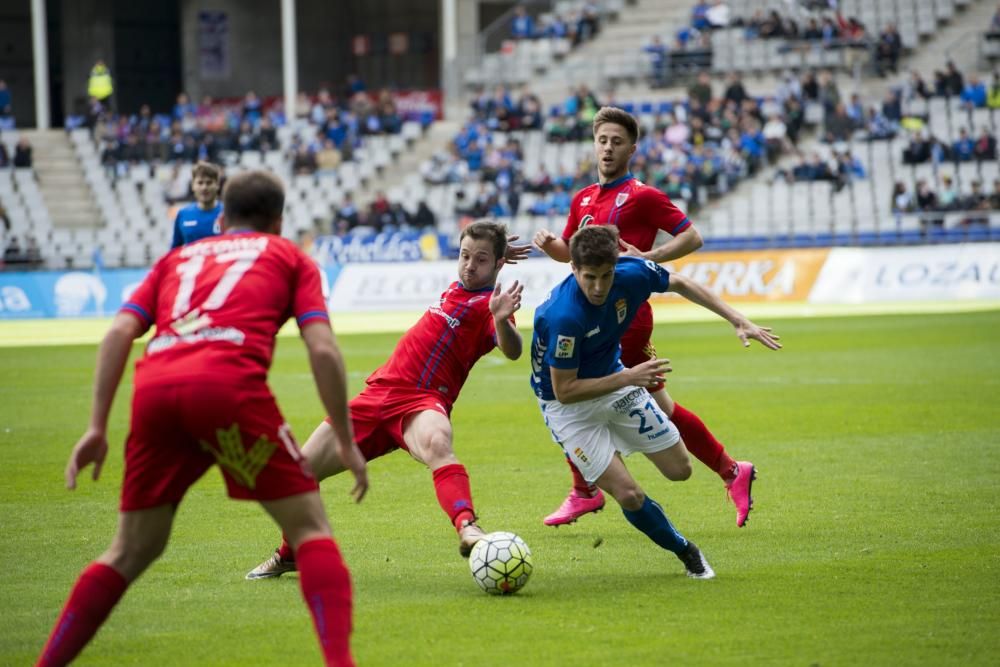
(138, 224)
(747, 210)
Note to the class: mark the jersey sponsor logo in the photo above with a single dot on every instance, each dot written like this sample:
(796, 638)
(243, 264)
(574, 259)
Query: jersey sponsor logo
(621, 309)
(586, 220)
(216, 227)
(580, 455)
(593, 332)
(227, 334)
(585, 201)
(242, 463)
(453, 322)
(623, 404)
(565, 346)
(190, 223)
(475, 299)
(621, 198)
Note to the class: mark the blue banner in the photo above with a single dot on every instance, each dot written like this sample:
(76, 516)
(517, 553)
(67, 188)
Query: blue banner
(44, 294)
(397, 247)
(66, 293)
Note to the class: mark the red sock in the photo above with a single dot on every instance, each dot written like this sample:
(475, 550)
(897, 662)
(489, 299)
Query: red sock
(326, 587)
(580, 485)
(702, 443)
(451, 484)
(94, 595)
(285, 550)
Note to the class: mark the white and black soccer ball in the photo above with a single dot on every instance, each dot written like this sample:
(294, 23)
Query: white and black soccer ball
(501, 563)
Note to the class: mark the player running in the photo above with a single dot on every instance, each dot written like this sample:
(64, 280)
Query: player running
(597, 409)
(200, 219)
(201, 397)
(407, 402)
(639, 212)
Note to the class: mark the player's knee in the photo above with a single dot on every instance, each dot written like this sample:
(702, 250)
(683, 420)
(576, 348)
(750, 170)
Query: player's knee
(132, 557)
(680, 471)
(438, 449)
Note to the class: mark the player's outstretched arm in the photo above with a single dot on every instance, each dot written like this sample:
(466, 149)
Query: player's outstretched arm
(327, 365)
(515, 253)
(569, 388)
(111, 359)
(503, 304)
(745, 329)
(552, 245)
(683, 244)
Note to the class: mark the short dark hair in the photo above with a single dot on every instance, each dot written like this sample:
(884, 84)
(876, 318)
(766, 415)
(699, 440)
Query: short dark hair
(618, 117)
(594, 245)
(489, 230)
(208, 170)
(254, 198)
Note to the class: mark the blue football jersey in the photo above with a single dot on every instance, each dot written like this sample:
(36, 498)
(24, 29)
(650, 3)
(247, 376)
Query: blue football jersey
(193, 223)
(570, 332)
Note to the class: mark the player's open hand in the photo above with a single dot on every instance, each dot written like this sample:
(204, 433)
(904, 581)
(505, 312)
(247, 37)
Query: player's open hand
(542, 238)
(747, 331)
(504, 303)
(352, 459)
(630, 250)
(649, 373)
(91, 448)
(515, 253)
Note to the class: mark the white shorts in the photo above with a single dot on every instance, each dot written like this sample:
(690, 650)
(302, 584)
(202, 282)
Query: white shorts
(590, 432)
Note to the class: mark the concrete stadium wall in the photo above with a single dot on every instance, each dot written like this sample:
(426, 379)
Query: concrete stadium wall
(254, 48)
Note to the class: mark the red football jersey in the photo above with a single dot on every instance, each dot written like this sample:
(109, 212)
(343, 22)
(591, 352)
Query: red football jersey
(217, 305)
(638, 210)
(438, 351)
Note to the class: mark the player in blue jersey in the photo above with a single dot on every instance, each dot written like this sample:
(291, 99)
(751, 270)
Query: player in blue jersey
(201, 219)
(596, 408)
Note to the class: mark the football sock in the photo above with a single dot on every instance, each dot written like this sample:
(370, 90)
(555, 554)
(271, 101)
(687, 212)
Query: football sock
(326, 587)
(94, 595)
(451, 484)
(651, 520)
(285, 551)
(580, 485)
(700, 442)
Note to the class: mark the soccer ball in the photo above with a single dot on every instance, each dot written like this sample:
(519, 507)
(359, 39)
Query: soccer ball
(501, 563)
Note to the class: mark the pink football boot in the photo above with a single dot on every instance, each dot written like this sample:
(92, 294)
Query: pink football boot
(574, 507)
(739, 490)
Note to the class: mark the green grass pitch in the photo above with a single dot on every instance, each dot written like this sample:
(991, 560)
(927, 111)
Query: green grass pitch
(875, 538)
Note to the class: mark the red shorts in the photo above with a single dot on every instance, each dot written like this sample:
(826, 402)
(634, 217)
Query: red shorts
(179, 431)
(378, 416)
(636, 344)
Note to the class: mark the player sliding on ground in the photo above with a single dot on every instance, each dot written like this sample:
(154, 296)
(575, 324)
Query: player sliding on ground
(201, 397)
(639, 212)
(596, 408)
(406, 404)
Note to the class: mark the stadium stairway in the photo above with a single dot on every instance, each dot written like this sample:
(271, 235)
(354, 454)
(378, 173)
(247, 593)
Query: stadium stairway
(635, 25)
(437, 137)
(60, 180)
(955, 41)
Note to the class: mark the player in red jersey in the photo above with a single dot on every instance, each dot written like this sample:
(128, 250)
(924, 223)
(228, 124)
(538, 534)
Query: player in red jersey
(639, 211)
(201, 397)
(406, 404)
